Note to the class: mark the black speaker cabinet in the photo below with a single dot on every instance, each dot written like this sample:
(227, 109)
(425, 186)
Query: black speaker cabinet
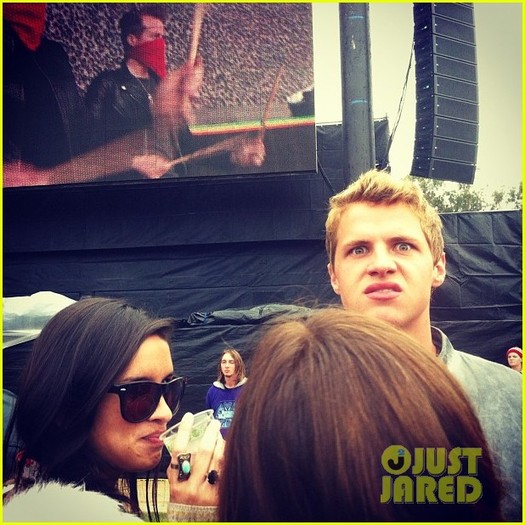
(446, 142)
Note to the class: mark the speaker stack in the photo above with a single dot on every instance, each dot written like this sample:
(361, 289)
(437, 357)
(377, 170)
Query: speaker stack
(447, 116)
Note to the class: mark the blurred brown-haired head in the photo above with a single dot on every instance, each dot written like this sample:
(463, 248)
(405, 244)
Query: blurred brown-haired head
(330, 393)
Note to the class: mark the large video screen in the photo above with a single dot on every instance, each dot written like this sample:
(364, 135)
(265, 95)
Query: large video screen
(123, 91)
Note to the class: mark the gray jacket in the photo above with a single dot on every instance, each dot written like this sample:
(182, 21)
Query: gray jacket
(495, 393)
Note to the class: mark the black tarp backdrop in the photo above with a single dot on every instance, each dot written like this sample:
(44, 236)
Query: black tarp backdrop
(240, 248)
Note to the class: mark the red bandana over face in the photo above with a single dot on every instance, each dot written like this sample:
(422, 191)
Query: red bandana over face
(152, 55)
(28, 21)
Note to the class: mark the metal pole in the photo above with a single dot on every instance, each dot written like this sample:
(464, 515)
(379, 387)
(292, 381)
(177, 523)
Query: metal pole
(358, 124)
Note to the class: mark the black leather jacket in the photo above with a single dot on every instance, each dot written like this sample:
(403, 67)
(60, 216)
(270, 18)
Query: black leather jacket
(119, 103)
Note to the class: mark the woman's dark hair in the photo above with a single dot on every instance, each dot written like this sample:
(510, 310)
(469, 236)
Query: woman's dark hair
(329, 395)
(76, 358)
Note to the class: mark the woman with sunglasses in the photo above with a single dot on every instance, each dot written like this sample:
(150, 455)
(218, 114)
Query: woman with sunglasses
(96, 393)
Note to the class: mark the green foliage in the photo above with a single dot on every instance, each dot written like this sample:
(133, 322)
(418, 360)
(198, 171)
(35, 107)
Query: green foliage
(455, 197)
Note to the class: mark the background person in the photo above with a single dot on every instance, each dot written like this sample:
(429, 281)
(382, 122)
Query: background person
(515, 358)
(96, 393)
(333, 392)
(223, 394)
(386, 256)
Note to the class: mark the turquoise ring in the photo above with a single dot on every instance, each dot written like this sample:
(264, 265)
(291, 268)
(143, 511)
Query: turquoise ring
(184, 466)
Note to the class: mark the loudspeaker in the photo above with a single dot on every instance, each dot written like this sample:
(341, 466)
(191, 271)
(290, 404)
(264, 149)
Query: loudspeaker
(447, 116)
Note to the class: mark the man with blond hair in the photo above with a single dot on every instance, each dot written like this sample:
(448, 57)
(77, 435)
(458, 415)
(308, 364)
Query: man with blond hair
(386, 256)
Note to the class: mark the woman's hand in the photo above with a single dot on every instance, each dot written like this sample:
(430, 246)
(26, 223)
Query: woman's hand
(196, 489)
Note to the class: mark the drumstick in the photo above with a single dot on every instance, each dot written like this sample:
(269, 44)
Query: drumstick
(198, 17)
(269, 103)
(209, 151)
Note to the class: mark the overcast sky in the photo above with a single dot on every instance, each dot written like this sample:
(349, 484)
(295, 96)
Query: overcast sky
(498, 46)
